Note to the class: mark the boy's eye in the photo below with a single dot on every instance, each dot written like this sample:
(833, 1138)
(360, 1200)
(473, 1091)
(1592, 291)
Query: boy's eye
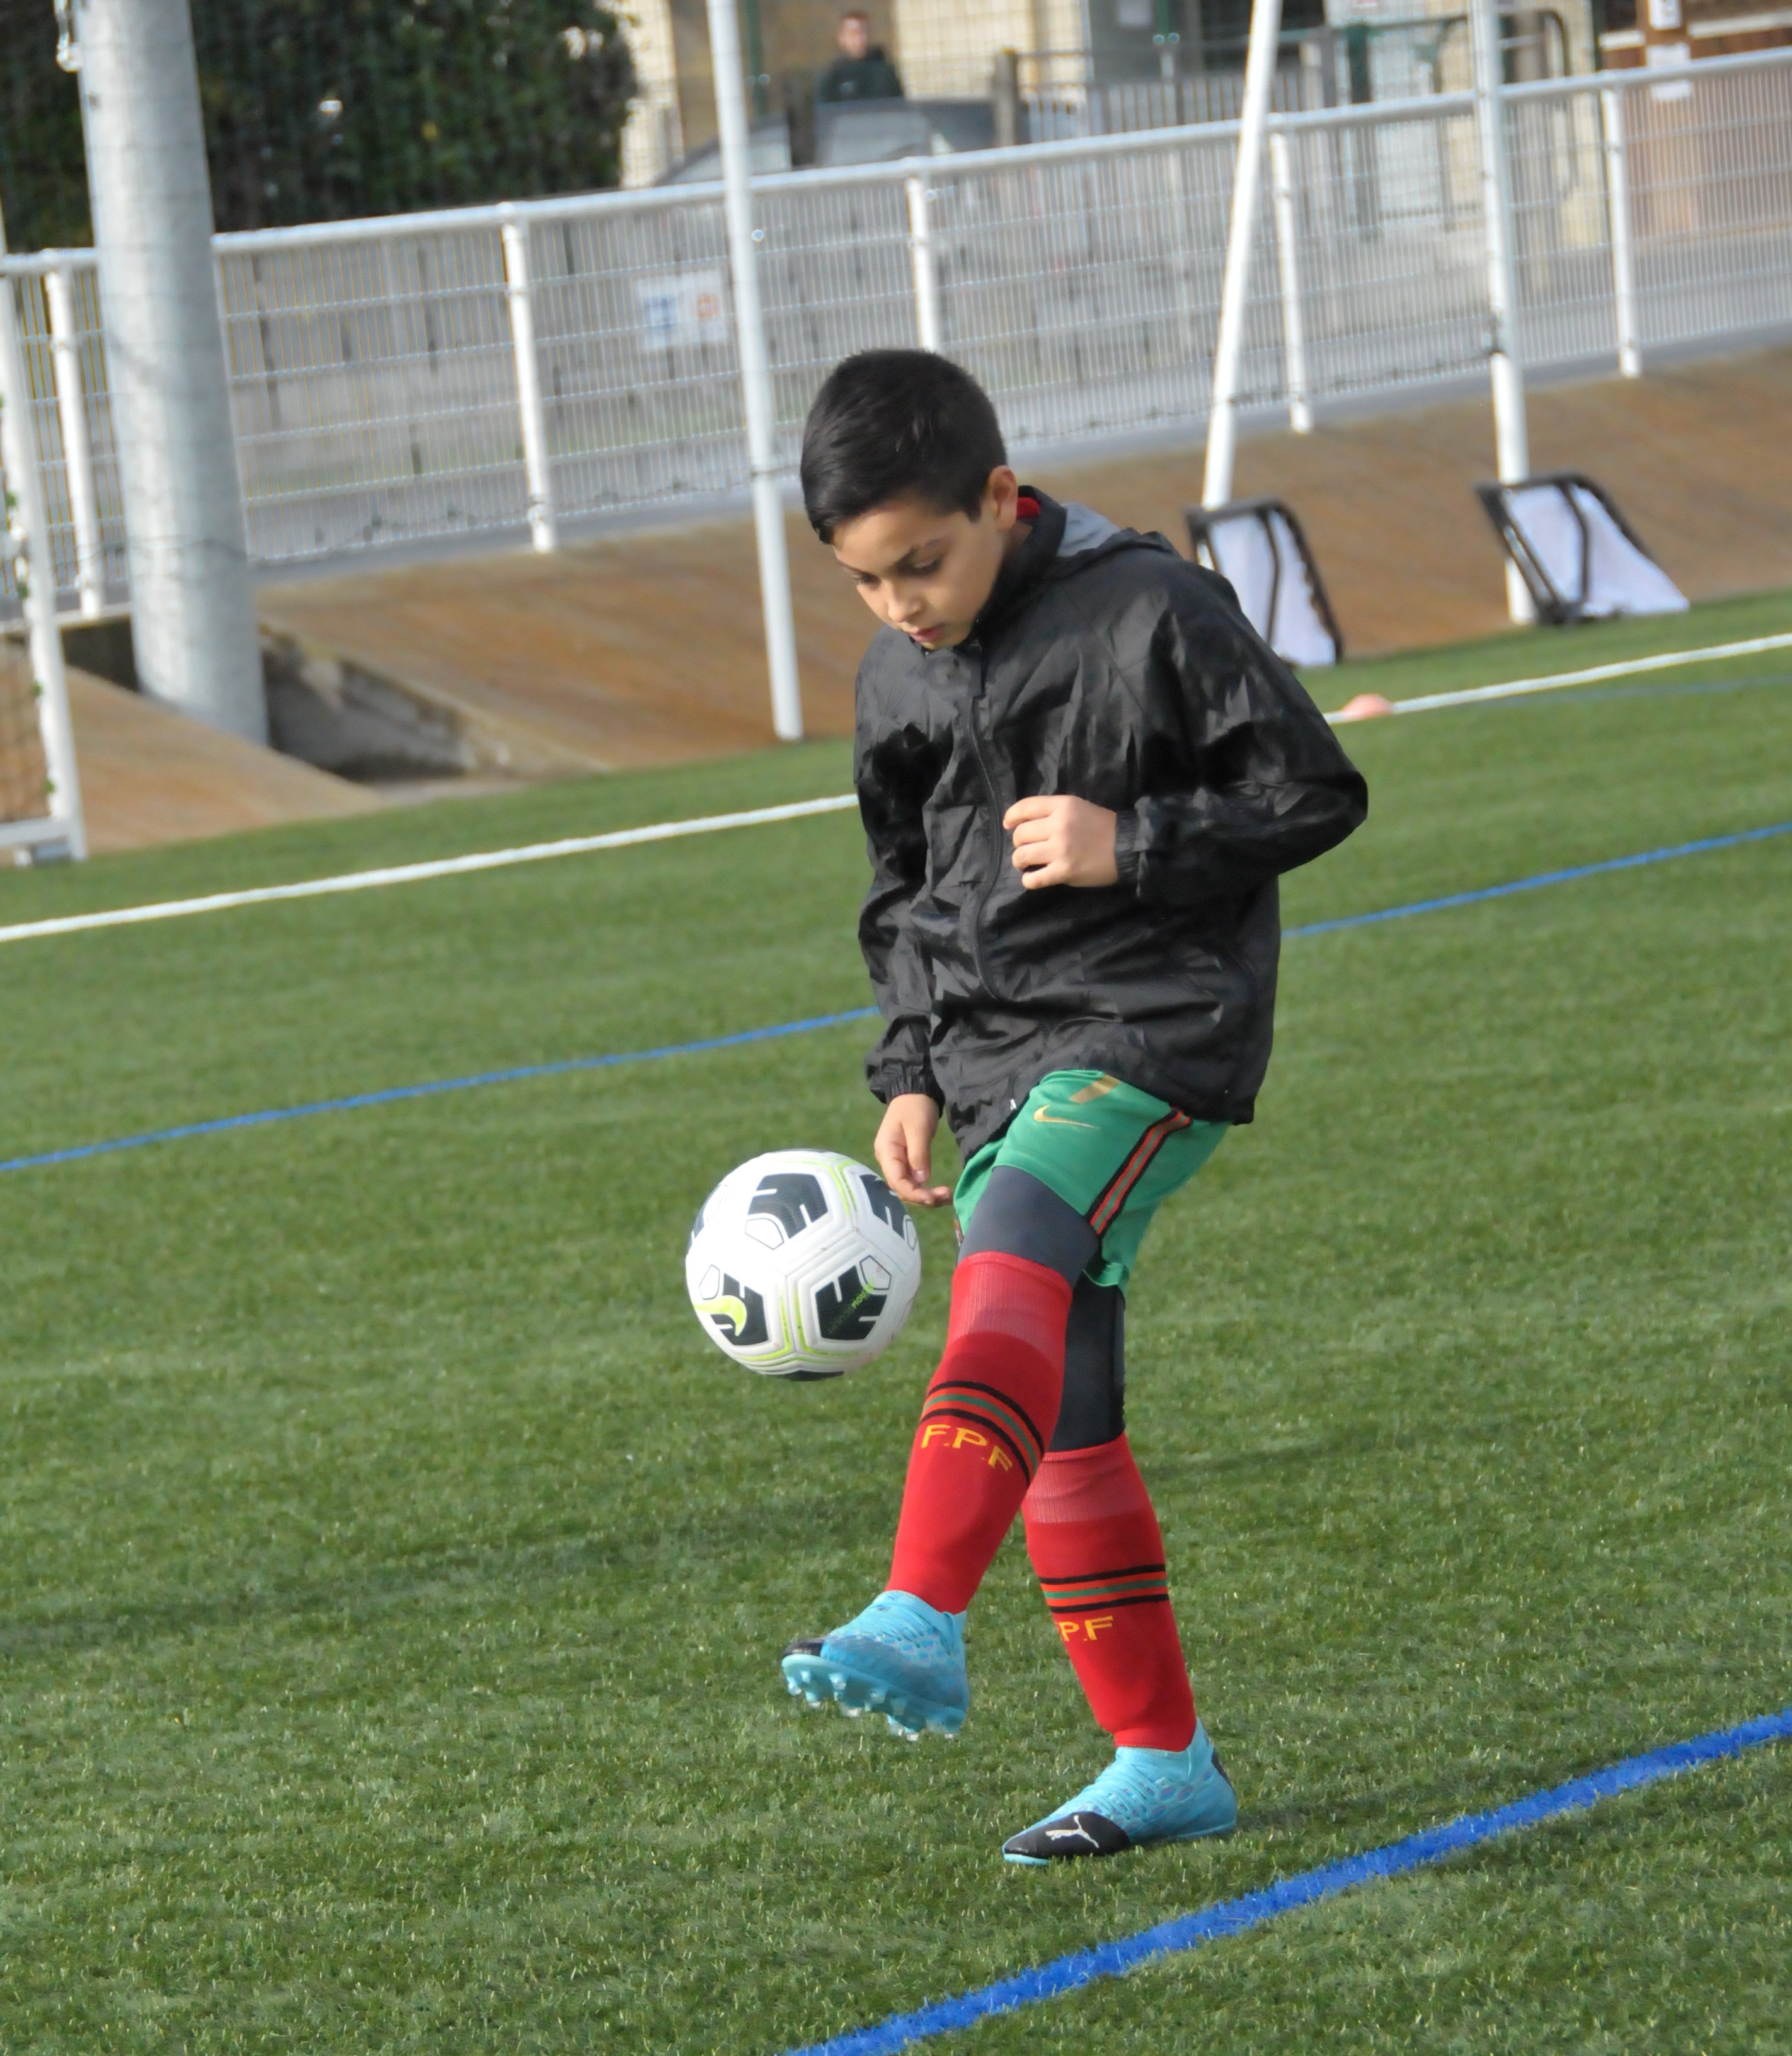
(910, 570)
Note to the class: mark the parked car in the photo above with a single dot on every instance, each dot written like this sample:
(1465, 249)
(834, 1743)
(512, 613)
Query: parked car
(870, 131)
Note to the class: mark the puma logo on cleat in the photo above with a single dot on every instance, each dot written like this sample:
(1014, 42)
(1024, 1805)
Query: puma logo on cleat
(1079, 1833)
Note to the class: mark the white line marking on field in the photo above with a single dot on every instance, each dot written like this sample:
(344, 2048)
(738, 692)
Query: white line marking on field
(409, 874)
(498, 860)
(1667, 662)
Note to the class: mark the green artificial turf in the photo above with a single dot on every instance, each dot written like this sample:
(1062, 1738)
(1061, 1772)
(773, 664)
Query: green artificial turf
(394, 1576)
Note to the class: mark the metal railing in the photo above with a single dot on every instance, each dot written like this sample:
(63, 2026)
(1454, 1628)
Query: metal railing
(1063, 94)
(494, 371)
(1060, 112)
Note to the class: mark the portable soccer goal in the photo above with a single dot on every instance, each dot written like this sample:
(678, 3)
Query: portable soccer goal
(1261, 548)
(1579, 557)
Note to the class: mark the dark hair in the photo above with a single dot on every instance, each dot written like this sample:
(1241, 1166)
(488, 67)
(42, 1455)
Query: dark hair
(892, 424)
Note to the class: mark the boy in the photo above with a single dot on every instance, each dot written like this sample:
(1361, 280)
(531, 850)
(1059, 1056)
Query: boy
(1081, 773)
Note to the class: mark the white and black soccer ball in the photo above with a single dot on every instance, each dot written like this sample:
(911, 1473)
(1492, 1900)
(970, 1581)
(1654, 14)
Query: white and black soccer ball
(802, 1265)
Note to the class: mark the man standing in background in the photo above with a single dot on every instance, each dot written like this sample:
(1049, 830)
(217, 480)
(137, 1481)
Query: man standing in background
(862, 71)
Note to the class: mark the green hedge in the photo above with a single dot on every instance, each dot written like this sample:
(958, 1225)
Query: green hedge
(319, 110)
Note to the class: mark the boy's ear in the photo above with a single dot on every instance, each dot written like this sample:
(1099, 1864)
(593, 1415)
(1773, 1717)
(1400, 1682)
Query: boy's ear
(1001, 497)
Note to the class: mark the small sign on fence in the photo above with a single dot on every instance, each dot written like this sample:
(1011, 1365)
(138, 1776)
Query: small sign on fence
(682, 310)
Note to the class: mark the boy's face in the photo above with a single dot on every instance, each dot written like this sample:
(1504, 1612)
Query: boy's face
(927, 573)
(855, 35)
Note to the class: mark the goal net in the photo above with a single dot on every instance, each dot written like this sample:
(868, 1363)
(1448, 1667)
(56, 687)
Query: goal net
(1579, 558)
(1259, 547)
(24, 774)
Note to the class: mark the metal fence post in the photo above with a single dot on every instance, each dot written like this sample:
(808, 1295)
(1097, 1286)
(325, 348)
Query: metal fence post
(1294, 329)
(192, 600)
(927, 273)
(759, 402)
(35, 573)
(537, 465)
(1228, 348)
(1617, 201)
(77, 450)
(1511, 440)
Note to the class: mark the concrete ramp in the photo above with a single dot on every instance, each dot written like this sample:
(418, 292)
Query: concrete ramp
(638, 649)
(646, 648)
(148, 775)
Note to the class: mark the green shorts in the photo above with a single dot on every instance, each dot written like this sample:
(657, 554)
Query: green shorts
(1110, 1151)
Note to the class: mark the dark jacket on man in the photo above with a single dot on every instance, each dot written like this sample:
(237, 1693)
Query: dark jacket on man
(872, 77)
(1105, 666)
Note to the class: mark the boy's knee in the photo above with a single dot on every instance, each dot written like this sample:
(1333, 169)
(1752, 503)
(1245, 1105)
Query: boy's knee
(1018, 1215)
(1094, 1409)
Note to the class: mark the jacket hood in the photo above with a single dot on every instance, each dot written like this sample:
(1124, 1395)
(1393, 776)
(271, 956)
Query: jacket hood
(1066, 538)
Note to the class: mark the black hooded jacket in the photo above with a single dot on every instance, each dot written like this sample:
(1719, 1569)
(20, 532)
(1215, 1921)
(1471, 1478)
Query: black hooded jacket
(1105, 666)
(872, 77)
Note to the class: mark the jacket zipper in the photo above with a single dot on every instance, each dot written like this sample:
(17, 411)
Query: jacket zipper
(989, 786)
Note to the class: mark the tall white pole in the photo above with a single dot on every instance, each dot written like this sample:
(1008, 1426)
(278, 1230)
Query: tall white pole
(27, 526)
(1512, 439)
(1222, 424)
(1623, 263)
(192, 604)
(538, 470)
(1287, 252)
(921, 260)
(756, 374)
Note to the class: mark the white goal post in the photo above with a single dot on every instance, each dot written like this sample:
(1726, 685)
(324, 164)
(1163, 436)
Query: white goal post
(40, 790)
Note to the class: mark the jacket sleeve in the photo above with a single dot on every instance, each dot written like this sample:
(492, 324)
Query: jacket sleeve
(892, 776)
(1249, 781)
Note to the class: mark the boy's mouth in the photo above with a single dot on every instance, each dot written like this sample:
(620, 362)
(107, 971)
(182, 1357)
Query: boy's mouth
(929, 636)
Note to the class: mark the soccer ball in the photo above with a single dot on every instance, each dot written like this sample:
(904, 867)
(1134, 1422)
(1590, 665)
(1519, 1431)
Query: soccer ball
(802, 1265)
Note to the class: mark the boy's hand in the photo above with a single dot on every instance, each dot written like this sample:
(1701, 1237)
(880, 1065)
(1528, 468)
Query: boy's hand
(1062, 841)
(904, 1150)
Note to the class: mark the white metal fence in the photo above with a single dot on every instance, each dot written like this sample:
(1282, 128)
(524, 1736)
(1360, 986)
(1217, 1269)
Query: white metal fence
(1057, 110)
(479, 372)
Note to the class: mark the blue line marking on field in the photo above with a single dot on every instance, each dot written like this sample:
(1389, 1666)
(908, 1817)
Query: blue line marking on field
(1543, 878)
(1233, 1916)
(392, 1093)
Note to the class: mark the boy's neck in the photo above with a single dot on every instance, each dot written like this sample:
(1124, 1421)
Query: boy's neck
(1014, 541)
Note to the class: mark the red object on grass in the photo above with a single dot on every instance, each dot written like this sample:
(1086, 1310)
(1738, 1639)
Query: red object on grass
(1366, 706)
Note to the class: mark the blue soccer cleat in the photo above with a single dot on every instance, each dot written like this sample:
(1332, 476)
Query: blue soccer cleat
(901, 1658)
(1143, 1796)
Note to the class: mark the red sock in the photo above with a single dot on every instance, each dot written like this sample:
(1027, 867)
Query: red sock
(988, 1415)
(1099, 1554)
